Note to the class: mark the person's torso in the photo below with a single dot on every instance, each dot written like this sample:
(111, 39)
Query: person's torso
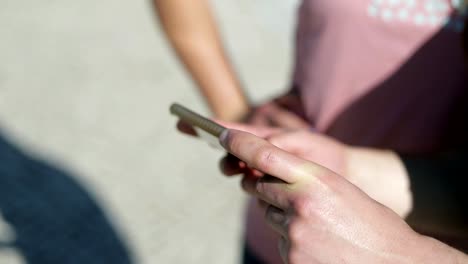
(381, 73)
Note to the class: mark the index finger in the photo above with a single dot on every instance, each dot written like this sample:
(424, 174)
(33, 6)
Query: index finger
(186, 128)
(260, 154)
(259, 131)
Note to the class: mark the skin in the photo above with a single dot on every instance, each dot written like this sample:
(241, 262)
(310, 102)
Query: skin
(367, 168)
(193, 33)
(318, 213)
(379, 173)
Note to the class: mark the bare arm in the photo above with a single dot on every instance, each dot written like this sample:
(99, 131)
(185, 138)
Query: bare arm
(306, 203)
(382, 175)
(428, 190)
(191, 29)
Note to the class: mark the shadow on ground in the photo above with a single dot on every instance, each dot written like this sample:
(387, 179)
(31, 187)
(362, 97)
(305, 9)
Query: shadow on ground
(54, 219)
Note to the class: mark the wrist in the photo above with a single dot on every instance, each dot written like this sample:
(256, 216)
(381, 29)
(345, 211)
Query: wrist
(233, 109)
(430, 250)
(381, 175)
(233, 114)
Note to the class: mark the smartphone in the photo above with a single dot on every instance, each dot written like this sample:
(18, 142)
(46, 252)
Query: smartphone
(206, 129)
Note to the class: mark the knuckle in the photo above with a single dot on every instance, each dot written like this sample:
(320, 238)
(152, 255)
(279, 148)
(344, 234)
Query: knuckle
(330, 182)
(274, 140)
(294, 256)
(264, 158)
(302, 132)
(303, 206)
(295, 233)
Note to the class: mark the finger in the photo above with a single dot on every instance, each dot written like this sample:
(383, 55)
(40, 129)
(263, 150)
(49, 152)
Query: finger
(186, 128)
(287, 141)
(268, 189)
(262, 204)
(259, 131)
(286, 119)
(273, 191)
(251, 172)
(258, 116)
(230, 165)
(283, 248)
(261, 155)
(277, 219)
(257, 173)
(248, 184)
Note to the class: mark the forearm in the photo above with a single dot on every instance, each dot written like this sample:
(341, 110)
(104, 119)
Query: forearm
(428, 192)
(385, 177)
(382, 175)
(191, 29)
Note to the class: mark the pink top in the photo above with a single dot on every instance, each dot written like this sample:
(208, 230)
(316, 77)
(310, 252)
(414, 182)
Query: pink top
(379, 73)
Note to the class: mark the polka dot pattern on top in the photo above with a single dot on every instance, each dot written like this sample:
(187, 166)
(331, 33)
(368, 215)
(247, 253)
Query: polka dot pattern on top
(427, 13)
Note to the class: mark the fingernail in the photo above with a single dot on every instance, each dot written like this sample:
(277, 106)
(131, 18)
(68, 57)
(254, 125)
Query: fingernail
(224, 137)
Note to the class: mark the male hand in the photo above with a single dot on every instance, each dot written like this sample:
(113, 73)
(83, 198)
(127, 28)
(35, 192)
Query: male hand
(368, 169)
(323, 218)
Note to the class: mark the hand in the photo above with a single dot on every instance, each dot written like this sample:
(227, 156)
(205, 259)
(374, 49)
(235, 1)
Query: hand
(314, 147)
(368, 169)
(285, 112)
(323, 218)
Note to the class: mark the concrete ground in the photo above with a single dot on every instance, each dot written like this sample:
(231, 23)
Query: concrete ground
(87, 85)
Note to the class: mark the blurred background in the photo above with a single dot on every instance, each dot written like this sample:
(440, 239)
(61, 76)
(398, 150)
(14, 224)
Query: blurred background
(85, 88)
